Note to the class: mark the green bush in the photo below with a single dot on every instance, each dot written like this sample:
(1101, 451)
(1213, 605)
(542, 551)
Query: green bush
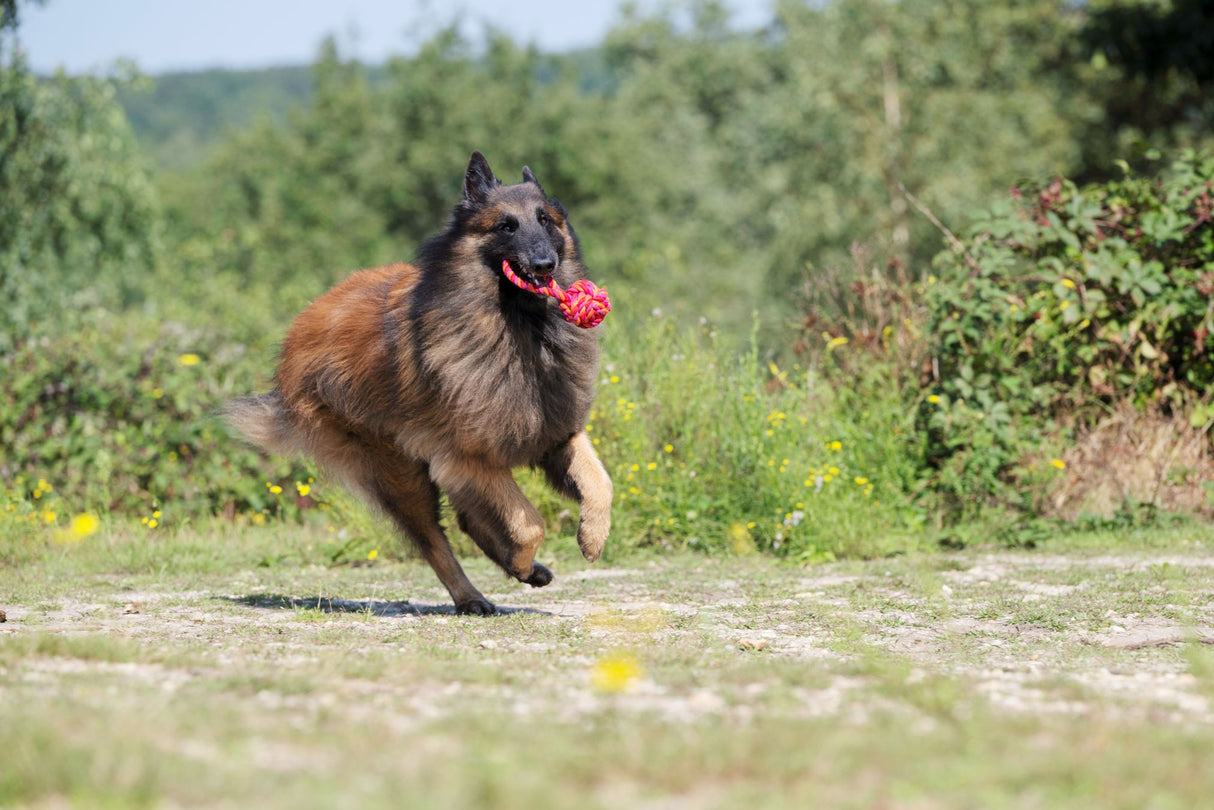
(119, 413)
(1061, 302)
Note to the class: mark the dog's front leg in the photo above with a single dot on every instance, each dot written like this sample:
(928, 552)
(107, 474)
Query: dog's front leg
(574, 470)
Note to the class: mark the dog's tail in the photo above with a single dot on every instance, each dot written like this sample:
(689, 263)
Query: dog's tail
(265, 421)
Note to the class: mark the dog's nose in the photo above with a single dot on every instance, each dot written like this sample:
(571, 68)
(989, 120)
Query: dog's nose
(544, 266)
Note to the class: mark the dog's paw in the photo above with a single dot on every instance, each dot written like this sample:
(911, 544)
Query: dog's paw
(539, 577)
(479, 606)
(592, 536)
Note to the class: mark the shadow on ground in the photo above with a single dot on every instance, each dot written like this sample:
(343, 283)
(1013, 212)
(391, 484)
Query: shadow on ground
(374, 607)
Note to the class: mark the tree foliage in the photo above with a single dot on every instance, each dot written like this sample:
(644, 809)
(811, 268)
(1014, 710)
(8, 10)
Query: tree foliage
(1150, 65)
(78, 213)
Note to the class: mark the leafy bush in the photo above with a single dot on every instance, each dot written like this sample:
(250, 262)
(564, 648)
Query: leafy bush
(1061, 302)
(120, 413)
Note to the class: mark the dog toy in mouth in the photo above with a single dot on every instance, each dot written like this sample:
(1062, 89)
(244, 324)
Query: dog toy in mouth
(583, 304)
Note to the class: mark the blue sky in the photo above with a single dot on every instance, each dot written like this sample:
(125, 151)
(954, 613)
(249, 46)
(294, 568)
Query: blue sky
(163, 35)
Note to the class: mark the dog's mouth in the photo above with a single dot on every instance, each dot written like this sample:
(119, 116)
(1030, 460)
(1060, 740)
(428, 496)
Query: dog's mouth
(524, 279)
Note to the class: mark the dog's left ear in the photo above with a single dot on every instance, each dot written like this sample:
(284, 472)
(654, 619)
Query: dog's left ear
(478, 179)
(529, 177)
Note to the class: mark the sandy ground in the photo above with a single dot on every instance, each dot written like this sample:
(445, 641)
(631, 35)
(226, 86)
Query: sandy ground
(1025, 632)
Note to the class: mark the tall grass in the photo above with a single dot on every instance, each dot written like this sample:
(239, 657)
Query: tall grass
(721, 451)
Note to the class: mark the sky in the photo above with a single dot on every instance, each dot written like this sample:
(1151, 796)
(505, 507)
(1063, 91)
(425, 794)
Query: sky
(172, 35)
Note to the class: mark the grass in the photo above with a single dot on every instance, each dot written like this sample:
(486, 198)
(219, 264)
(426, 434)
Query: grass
(235, 667)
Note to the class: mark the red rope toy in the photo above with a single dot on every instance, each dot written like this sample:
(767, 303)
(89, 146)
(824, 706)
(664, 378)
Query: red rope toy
(583, 304)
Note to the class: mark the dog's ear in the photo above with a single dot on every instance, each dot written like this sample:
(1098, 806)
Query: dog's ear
(529, 177)
(478, 179)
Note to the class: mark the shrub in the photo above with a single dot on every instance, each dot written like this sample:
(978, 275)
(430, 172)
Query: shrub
(120, 413)
(1062, 302)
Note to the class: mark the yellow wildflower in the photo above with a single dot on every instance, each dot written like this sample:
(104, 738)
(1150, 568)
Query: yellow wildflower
(189, 359)
(84, 524)
(615, 673)
(1058, 463)
(81, 527)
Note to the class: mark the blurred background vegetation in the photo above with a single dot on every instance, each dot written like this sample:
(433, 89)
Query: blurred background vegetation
(886, 274)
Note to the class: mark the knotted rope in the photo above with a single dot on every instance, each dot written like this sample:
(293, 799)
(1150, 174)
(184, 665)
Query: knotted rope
(583, 304)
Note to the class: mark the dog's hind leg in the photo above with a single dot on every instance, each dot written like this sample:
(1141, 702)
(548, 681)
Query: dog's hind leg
(402, 488)
(484, 526)
(495, 513)
(574, 470)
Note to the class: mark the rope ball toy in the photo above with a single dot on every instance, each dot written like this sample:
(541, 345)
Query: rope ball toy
(583, 304)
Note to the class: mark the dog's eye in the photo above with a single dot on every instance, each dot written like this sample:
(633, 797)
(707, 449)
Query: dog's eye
(542, 219)
(508, 225)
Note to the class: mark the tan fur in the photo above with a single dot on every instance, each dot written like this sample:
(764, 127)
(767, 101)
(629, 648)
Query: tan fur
(411, 378)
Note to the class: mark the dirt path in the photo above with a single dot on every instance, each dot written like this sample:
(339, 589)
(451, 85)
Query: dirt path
(1026, 633)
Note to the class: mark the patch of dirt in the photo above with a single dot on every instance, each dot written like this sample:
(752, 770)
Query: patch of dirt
(1045, 634)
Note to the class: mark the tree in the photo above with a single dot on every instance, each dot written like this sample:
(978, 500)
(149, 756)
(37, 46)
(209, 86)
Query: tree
(953, 100)
(78, 215)
(1151, 64)
(8, 13)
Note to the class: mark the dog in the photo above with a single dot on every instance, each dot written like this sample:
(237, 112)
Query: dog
(442, 375)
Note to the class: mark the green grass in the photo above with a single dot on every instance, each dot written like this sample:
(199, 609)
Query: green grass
(723, 452)
(219, 666)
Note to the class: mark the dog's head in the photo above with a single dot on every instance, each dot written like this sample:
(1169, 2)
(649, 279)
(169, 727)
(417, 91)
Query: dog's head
(520, 224)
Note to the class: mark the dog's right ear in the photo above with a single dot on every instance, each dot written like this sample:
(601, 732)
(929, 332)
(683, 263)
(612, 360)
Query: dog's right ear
(478, 179)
